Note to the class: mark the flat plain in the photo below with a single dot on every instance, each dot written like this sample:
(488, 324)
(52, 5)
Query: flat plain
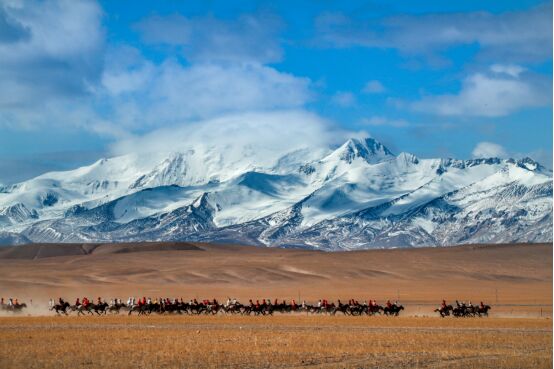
(516, 280)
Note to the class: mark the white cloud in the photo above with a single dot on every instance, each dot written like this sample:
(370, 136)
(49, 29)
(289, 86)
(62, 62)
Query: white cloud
(55, 71)
(489, 96)
(511, 70)
(270, 134)
(51, 61)
(344, 99)
(172, 93)
(517, 36)
(373, 87)
(249, 38)
(492, 150)
(489, 150)
(383, 121)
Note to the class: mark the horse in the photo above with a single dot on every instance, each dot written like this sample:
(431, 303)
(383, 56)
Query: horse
(374, 309)
(115, 308)
(140, 309)
(343, 308)
(81, 309)
(61, 308)
(100, 308)
(15, 308)
(393, 310)
(483, 310)
(444, 311)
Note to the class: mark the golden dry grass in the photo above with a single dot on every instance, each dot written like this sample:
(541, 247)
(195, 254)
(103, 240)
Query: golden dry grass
(274, 342)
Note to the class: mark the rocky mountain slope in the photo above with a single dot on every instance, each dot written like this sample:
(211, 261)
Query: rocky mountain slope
(359, 195)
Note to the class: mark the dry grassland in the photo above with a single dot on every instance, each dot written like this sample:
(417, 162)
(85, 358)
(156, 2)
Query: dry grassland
(274, 342)
(515, 279)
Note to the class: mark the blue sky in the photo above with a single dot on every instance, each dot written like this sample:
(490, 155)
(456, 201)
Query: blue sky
(455, 79)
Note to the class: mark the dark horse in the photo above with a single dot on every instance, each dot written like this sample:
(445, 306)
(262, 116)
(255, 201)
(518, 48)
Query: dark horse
(484, 310)
(444, 311)
(394, 310)
(61, 308)
(100, 308)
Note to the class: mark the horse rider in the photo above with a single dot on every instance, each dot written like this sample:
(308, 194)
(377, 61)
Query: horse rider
(61, 301)
(389, 305)
(16, 302)
(98, 301)
(481, 305)
(149, 301)
(10, 302)
(77, 302)
(85, 302)
(319, 304)
(293, 304)
(443, 304)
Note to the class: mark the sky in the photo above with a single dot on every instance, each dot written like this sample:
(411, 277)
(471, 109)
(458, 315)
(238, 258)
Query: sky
(80, 80)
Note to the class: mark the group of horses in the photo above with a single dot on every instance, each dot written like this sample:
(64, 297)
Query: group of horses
(461, 310)
(352, 308)
(233, 308)
(14, 308)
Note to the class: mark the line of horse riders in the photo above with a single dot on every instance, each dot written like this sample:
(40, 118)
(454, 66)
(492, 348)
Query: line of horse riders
(147, 306)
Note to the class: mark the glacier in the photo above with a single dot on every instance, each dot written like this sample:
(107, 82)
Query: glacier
(358, 195)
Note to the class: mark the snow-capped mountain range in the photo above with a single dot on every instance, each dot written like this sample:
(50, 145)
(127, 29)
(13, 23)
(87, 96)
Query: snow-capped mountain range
(359, 195)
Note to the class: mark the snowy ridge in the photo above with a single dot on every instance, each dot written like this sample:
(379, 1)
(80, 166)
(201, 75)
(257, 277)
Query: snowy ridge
(358, 195)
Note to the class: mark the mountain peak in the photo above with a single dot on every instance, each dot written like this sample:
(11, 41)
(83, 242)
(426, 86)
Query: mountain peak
(529, 164)
(369, 149)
